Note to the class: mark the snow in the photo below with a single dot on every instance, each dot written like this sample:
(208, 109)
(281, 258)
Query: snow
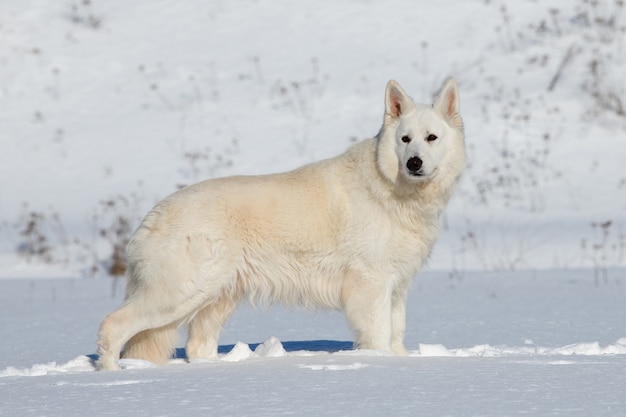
(107, 107)
(106, 101)
(544, 343)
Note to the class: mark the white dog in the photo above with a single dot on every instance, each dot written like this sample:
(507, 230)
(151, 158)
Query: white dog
(345, 233)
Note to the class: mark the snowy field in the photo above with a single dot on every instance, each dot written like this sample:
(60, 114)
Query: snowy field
(108, 106)
(538, 343)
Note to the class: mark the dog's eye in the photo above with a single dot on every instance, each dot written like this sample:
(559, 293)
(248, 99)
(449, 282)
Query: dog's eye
(406, 139)
(431, 138)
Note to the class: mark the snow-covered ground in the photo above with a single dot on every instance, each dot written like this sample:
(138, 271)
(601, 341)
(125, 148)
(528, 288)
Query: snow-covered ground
(548, 343)
(108, 106)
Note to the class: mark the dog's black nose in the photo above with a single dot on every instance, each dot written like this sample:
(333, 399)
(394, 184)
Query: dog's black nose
(414, 164)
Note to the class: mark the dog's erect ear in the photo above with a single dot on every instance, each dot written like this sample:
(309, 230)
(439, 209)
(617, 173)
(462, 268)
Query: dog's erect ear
(397, 102)
(447, 103)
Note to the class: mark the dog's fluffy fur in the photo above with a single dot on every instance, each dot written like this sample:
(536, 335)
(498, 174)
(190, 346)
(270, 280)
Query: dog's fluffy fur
(344, 233)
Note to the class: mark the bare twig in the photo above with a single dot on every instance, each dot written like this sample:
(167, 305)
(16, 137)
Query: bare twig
(564, 62)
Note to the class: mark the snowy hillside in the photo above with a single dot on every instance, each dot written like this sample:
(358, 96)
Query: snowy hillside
(107, 107)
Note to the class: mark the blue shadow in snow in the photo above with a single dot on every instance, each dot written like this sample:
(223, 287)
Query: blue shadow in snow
(329, 346)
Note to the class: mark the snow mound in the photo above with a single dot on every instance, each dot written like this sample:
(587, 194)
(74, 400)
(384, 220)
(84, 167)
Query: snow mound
(239, 352)
(271, 348)
(80, 364)
(488, 351)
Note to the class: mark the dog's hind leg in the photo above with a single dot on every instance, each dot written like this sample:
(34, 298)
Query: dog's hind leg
(115, 330)
(205, 327)
(154, 345)
(149, 329)
(153, 322)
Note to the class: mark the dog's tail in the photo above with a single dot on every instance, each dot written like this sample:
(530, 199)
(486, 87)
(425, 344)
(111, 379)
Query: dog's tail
(154, 345)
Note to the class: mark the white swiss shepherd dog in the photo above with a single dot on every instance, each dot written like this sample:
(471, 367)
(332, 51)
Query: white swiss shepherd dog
(345, 233)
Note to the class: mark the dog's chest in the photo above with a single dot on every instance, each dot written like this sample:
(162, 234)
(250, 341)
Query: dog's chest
(384, 239)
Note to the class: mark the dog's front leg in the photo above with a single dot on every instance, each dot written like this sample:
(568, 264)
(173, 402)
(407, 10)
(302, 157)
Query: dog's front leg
(367, 303)
(398, 321)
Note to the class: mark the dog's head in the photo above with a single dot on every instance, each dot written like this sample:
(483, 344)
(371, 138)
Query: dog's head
(417, 139)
